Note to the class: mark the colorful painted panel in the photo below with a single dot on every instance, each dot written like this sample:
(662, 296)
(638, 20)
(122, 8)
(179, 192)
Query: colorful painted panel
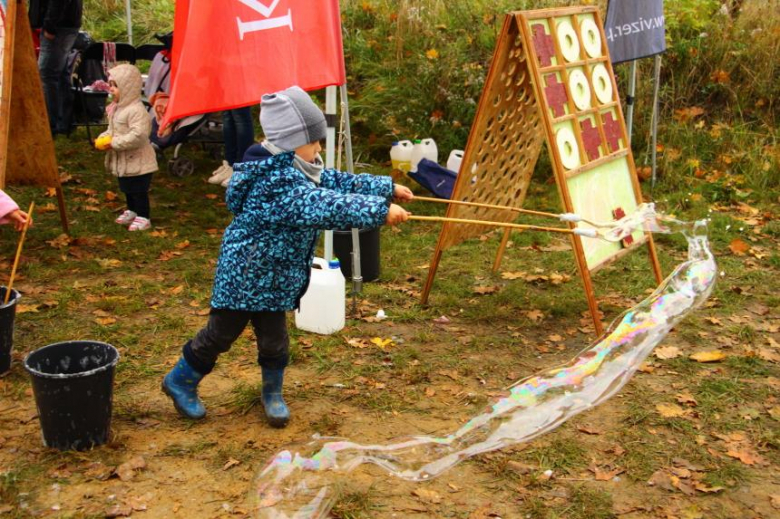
(610, 186)
(579, 105)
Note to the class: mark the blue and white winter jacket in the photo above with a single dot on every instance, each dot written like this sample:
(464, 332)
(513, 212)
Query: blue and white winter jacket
(267, 250)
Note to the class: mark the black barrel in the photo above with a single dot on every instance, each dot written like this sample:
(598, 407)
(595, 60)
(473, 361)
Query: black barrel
(7, 314)
(369, 253)
(73, 386)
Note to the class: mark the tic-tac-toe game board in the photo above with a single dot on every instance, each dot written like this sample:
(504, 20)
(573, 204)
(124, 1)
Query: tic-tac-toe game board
(578, 97)
(550, 80)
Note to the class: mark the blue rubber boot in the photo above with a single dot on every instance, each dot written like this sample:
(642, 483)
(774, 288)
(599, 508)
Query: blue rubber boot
(275, 409)
(181, 384)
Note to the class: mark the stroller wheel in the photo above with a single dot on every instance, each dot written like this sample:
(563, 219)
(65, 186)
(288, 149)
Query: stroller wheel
(181, 167)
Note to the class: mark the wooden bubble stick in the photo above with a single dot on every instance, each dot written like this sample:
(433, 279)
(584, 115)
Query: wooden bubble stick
(18, 253)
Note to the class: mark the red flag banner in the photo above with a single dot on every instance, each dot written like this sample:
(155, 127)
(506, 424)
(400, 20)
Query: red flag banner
(227, 54)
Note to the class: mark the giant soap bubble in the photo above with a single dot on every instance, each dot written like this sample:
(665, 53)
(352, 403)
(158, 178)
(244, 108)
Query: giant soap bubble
(301, 485)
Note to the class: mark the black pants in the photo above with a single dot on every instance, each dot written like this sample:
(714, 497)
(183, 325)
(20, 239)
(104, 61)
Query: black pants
(225, 326)
(136, 190)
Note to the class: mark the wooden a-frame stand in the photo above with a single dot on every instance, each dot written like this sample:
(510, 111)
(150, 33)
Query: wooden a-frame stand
(26, 144)
(550, 81)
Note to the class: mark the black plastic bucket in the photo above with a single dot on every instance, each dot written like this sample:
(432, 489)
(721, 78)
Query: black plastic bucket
(7, 314)
(73, 385)
(369, 253)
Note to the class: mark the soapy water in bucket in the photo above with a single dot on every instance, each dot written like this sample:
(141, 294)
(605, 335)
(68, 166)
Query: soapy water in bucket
(302, 485)
(85, 364)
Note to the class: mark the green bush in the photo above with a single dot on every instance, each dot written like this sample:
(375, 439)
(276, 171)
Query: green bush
(416, 68)
(105, 19)
(718, 100)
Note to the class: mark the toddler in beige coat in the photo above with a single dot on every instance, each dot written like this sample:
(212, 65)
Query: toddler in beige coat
(130, 155)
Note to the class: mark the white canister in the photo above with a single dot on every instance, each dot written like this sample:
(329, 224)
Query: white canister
(424, 149)
(454, 161)
(323, 305)
(401, 155)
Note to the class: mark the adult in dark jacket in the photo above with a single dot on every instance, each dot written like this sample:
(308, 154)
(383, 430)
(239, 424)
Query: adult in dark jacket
(281, 197)
(59, 21)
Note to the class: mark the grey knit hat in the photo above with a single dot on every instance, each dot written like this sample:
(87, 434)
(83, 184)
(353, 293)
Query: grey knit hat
(290, 119)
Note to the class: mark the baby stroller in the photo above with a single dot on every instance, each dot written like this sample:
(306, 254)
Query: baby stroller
(203, 129)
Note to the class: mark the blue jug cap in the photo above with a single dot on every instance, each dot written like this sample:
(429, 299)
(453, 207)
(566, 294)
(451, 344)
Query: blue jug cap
(395, 143)
(334, 264)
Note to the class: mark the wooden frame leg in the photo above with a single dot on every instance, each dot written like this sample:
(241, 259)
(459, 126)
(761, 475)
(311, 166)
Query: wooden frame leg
(63, 215)
(659, 275)
(587, 283)
(431, 274)
(501, 249)
(593, 305)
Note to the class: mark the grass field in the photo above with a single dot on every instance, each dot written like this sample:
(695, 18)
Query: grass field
(704, 434)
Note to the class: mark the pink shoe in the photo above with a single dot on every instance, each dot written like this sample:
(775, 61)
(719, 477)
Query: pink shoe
(126, 218)
(140, 224)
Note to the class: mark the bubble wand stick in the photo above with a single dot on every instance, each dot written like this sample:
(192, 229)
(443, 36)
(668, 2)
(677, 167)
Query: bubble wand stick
(18, 253)
(643, 211)
(586, 232)
(486, 206)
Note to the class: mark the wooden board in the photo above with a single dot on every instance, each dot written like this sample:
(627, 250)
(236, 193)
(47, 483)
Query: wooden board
(7, 24)
(504, 142)
(550, 81)
(26, 144)
(586, 135)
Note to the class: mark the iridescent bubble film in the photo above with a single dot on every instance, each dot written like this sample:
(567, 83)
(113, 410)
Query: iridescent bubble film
(302, 485)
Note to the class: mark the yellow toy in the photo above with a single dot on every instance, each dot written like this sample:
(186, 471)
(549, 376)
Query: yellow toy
(103, 143)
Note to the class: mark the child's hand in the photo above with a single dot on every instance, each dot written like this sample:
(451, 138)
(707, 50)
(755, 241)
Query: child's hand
(402, 193)
(396, 214)
(19, 218)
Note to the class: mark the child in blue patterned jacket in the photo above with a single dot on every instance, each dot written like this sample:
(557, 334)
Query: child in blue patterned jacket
(281, 197)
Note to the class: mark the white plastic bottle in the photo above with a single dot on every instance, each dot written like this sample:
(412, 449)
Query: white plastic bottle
(417, 155)
(323, 305)
(430, 150)
(401, 155)
(454, 161)
(424, 149)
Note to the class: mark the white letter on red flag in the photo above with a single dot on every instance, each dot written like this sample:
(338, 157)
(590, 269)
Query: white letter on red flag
(227, 54)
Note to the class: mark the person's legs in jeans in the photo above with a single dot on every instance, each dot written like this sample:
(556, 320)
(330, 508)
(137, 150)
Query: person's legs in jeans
(229, 136)
(238, 133)
(56, 84)
(245, 131)
(65, 116)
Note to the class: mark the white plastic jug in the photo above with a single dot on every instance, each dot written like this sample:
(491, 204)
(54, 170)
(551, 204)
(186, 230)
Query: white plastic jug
(323, 305)
(454, 160)
(401, 155)
(424, 149)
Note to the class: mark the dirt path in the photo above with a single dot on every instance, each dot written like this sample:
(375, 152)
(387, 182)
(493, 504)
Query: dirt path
(206, 469)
